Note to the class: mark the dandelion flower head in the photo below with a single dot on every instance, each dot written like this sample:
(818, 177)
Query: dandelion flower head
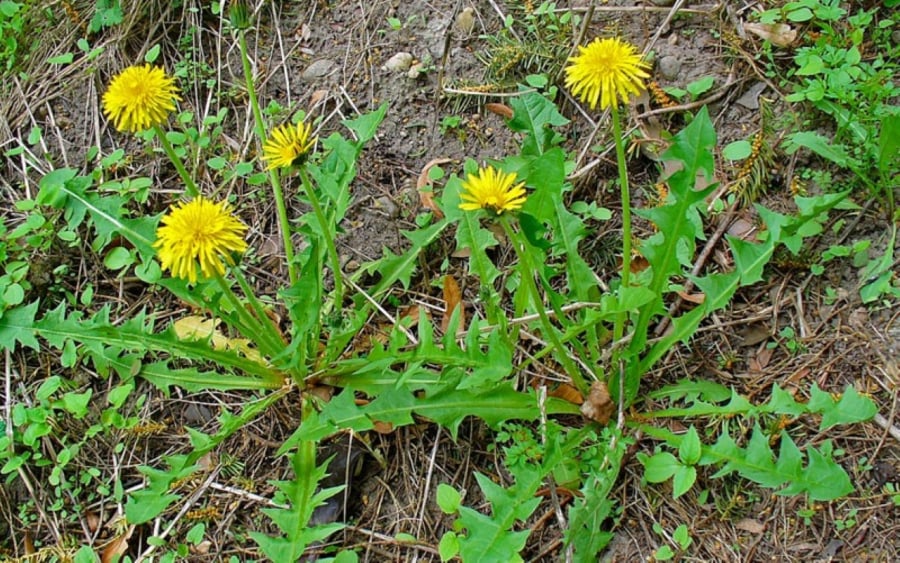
(493, 190)
(288, 145)
(140, 97)
(199, 232)
(606, 71)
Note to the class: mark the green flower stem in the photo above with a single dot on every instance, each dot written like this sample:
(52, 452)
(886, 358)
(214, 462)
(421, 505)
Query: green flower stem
(253, 329)
(527, 270)
(189, 184)
(268, 326)
(327, 235)
(283, 222)
(619, 325)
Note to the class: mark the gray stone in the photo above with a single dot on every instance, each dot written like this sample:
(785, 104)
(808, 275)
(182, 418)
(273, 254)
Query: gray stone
(318, 69)
(669, 67)
(399, 62)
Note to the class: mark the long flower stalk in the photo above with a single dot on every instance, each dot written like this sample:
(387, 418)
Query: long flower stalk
(327, 234)
(622, 316)
(189, 184)
(251, 327)
(274, 178)
(527, 269)
(269, 331)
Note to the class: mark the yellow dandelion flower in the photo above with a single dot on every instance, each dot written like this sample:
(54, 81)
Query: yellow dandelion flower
(140, 97)
(288, 145)
(200, 231)
(607, 70)
(493, 190)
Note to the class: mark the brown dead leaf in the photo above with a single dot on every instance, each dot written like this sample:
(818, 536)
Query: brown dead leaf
(763, 357)
(754, 334)
(426, 196)
(452, 300)
(598, 406)
(502, 110)
(778, 34)
(322, 392)
(696, 298)
(743, 228)
(28, 543)
(412, 313)
(750, 525)
(382, 427)
(567, 392)
(92, 520)
(116, 547)
(202, 548)
(316, 97)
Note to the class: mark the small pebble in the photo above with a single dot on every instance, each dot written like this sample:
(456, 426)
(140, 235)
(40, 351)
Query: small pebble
(387, 206)
(399, 62)
(415, 70)
(318, 69)
(465, 21)
(669, 67)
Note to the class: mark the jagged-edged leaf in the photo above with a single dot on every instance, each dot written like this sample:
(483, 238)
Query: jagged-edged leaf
(851, 407)
(588, 514)
(97, 334)
(164, 377)
(546, 174)
(17, 327)
(534, 115)
(691, 147)
(146, 504)
(490, 538)
(658, 467)
(822, 479)
(783, 402)
(692, 389)
(302, 499)
(393, 268)
(447, 408)
(474, 238)
(367, 124)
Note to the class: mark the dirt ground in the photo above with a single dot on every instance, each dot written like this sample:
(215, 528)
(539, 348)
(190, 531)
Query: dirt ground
(333, 58)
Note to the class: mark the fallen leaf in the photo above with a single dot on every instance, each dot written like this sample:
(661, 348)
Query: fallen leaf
(426, 196)
(750, 525)
(195, 327)
(452, 300)
(502, 110)
(92, 520)
(201, 548)
(412, 313)
(116, 547)
(697, 298)
(316, 97)
(382, 427)
(754, 334)
(322, 392)
(567, 392)
(28, 543)
(598, 406)
(743, 229)
(778, 34)
(762, 359)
